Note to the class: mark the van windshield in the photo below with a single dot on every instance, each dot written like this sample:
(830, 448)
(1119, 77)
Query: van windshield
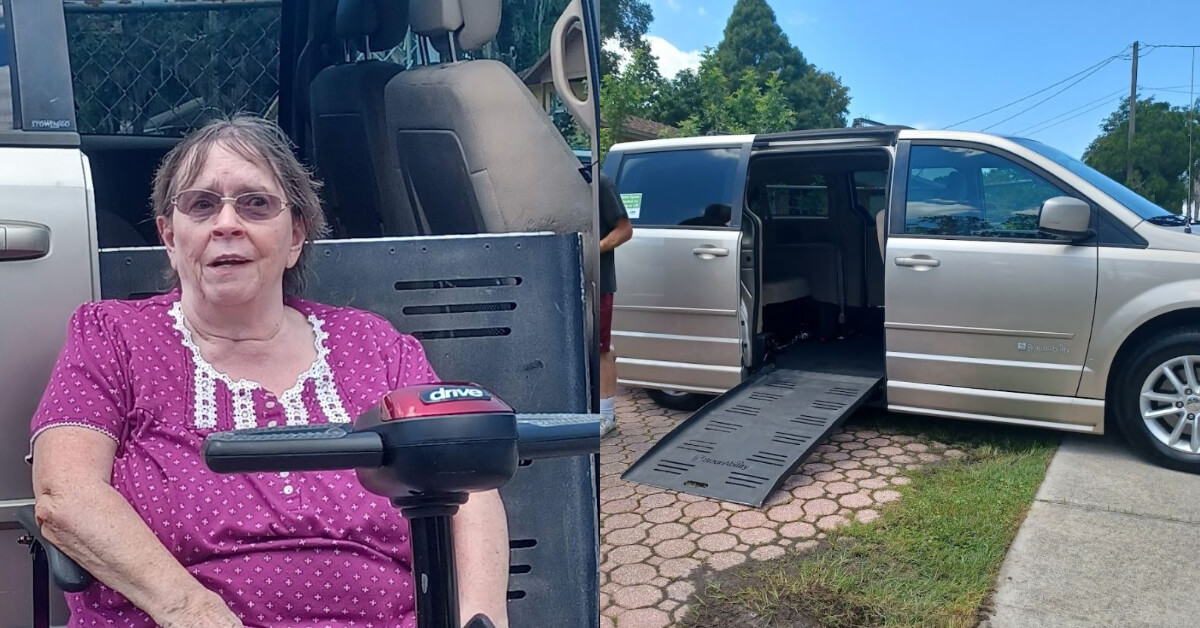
(1136, 203)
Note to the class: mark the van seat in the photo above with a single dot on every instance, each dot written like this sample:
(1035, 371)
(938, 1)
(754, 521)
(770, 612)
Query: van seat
(114, 231)
(783, 290)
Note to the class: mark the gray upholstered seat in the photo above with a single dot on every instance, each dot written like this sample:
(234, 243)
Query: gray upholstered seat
(478, 150)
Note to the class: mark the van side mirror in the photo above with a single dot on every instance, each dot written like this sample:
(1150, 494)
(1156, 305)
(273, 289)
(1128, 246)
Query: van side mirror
(1066, 217)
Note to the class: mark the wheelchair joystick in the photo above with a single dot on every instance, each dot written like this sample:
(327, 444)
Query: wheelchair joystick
(426, 448)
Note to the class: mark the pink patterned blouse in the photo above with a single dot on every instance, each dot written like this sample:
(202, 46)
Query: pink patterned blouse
(282, 549)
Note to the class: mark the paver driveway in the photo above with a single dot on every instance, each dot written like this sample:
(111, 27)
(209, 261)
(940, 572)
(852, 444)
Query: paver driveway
(654, 541)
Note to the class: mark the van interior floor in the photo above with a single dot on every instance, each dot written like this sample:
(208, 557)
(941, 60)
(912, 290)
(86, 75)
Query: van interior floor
(857, 355)
(741, 446)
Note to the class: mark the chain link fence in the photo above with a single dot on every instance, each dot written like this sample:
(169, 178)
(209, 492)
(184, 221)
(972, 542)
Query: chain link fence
(159, 67)
(164, 67)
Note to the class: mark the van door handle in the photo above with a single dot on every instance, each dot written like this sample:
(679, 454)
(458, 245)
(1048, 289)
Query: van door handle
(23, 240)
(918, 261)
(709, 252)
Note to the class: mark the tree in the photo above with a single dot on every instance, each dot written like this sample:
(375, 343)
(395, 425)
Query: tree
(525, 28)
(628, 93)
(678, 98)
(1159, 155)
(753, 40)
(719, 108)
(625, 21)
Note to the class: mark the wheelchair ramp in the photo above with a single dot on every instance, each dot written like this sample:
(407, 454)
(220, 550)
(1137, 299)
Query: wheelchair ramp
(741, 446)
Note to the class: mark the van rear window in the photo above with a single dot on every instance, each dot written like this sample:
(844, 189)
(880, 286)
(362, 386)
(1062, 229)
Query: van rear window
(691, 188)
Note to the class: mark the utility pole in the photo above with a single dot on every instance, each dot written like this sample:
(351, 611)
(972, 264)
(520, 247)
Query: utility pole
(1191, 193)
(1132, 117)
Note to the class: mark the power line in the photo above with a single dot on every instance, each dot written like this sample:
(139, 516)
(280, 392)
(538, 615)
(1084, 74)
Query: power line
(1164, 89)
(1088, 110)
(1050, 126)
(1044, 89)
(1171, 46)
(1105, 98)
(1040, 102)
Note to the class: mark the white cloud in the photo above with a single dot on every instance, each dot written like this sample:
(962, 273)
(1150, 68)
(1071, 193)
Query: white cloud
(674, 4)
(671, 60)
(702, 11)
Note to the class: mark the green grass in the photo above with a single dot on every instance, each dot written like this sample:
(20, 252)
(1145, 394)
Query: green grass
(930, 559)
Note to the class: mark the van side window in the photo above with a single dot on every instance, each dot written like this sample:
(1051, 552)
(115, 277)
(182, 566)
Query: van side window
(961, 192)
(165, 68)
(691, 188)
(6, 103)
(870, 190)
(799, 195)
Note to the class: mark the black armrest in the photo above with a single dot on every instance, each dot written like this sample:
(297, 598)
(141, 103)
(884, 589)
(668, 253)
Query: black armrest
(67, 574)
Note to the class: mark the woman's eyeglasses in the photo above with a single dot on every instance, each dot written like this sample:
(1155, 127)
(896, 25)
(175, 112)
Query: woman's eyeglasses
(204, 204)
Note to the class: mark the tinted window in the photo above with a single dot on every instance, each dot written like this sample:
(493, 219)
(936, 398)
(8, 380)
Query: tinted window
(803, 196)
(870, 190)
(684, 187)
(971, 193)
(1123, 195)
(6, 104)
(166, 68)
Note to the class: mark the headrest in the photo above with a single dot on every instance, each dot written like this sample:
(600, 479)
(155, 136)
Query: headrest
(383, 22)
(474, 23)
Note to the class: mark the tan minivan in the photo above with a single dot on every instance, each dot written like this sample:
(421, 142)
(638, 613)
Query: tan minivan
(971, 276)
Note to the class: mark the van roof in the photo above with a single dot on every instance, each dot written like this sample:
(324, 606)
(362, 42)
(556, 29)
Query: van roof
(684, 142)
(886, 134)
(737, 140)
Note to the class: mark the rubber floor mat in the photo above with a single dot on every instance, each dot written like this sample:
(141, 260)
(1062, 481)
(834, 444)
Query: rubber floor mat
(741, 446)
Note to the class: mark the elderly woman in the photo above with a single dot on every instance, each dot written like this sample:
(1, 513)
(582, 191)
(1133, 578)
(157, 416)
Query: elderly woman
(117, 471)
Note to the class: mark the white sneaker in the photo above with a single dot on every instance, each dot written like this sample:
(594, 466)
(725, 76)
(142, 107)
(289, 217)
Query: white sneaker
(607, 426)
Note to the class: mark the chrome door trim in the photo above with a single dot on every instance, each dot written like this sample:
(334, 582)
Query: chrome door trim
(983, 331)
(672, 310)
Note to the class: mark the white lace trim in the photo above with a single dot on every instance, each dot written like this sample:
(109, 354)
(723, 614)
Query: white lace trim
(242, 391)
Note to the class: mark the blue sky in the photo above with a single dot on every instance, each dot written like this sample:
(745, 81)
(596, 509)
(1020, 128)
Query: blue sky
(933, 63)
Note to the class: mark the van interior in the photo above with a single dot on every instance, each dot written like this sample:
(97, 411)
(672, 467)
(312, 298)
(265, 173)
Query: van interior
(821, 261)
(402, 151)
(820, 330)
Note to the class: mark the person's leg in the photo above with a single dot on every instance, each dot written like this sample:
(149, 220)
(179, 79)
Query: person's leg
(608, 375)
(608, 391)
(608, 366)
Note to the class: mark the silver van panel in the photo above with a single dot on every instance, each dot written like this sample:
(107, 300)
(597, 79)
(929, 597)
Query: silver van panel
(701, 378)
(1136, 286)
(998, 406)
(50, 187)
(675, 313)
(962, 323)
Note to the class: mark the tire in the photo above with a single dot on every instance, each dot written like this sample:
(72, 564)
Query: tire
(1142, 387)
(683, 401)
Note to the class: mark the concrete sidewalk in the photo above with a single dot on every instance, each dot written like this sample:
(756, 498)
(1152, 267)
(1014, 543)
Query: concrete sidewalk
(1111, 540)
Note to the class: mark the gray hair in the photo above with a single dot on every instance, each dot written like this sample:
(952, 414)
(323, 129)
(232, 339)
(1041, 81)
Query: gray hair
(259, 141)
